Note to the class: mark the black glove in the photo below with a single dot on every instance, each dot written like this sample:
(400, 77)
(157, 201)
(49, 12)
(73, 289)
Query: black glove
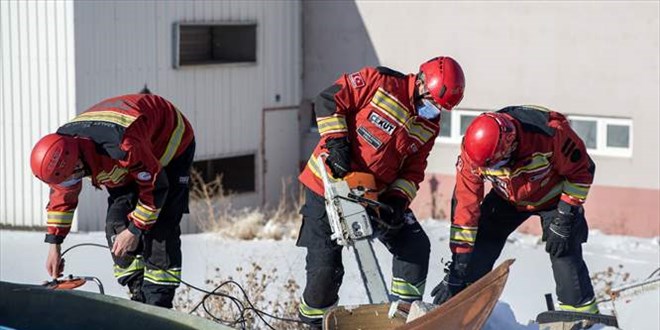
(559, 231)
(339, 158)
(455, 279)
(392, 220)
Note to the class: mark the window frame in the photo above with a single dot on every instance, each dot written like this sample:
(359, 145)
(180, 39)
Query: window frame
(601, 135)
(176, 43)
(601, 131)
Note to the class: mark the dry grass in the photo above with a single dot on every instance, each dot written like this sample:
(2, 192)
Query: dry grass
(604, 281)
(212, 210)
(254, 281)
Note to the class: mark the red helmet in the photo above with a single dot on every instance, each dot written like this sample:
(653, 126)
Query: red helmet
(445, 81)
(54, 158)
(489, 139)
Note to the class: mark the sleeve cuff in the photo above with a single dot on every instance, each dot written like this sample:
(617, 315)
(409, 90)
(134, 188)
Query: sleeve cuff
(134, 229)
(54, 239)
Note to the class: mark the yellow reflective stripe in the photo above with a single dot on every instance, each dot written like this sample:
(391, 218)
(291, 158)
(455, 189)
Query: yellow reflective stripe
(135, 266)
(116, 175)
(120, 119)
(390, 105)
(405, 186)
(420, 132)
(314, 166)
(539, 161)
(59, 218)
(175, 140)
(407, 290)
(463, 235)
(577, 190)
(311, 312)
(556, 190)
(172, 276)
(334, 124)
(145, 214)
(537, 107)
(590, 307)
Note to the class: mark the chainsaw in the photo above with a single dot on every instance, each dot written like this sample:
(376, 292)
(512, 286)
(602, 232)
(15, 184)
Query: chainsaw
(346, 203)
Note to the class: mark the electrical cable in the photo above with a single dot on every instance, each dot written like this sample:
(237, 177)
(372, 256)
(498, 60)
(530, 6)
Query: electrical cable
(239, 305)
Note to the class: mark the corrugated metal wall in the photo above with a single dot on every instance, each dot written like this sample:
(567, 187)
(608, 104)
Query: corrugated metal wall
(37, 93)
(122, 45)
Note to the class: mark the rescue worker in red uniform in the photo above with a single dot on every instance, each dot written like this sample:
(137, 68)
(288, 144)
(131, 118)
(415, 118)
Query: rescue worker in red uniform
(140, 147)
(381, 122)
(537, 165)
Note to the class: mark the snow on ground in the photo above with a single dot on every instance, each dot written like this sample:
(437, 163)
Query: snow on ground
(23, 254)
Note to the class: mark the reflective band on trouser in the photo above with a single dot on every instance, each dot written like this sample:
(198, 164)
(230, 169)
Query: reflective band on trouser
(171, 277)
(59, 219)
(590, 307)
(406, 290)
(136, 266)
(312, 312)
(407, 187)
(144, 214)
(462, 235)
(175, 140)
(333, 124)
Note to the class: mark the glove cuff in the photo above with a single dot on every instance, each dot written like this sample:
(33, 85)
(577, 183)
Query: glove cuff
(54, 239)
(566, 209)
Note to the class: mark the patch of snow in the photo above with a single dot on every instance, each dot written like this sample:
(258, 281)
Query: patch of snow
(23, 254)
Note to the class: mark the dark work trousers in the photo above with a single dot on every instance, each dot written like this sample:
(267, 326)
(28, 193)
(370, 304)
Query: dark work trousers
(152, 271)
(410, 249)
(499, 219)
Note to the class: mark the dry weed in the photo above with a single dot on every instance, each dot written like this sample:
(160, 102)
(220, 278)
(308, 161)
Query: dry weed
(604, 281)
(254, 282)
(211, 209)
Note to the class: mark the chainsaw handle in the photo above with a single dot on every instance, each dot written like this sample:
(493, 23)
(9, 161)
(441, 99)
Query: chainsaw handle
(369, 202)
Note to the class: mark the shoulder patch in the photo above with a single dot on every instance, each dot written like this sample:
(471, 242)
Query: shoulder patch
(144, 176)
(389, 72)
(356, 80)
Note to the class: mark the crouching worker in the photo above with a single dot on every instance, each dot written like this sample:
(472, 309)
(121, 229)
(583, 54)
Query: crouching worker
(537, 166)
(140, 147)
(383, 123)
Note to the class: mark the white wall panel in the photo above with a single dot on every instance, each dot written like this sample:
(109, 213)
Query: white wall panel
(223, 102)
(120, 46)
(37, 85)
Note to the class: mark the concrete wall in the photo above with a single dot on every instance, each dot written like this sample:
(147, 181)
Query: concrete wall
(580, 58)
(37, 85)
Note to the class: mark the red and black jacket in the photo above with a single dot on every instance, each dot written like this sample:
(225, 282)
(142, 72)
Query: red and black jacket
(374, 108)
(550, 164)
(123, 140)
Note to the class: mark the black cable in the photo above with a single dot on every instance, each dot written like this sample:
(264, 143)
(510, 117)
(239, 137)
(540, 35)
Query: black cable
(242, 309)
(654, 272)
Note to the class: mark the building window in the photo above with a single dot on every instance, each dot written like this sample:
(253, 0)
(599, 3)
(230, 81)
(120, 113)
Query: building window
(587, 130)
(238, 174)
(604, 136)
(201, 43)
